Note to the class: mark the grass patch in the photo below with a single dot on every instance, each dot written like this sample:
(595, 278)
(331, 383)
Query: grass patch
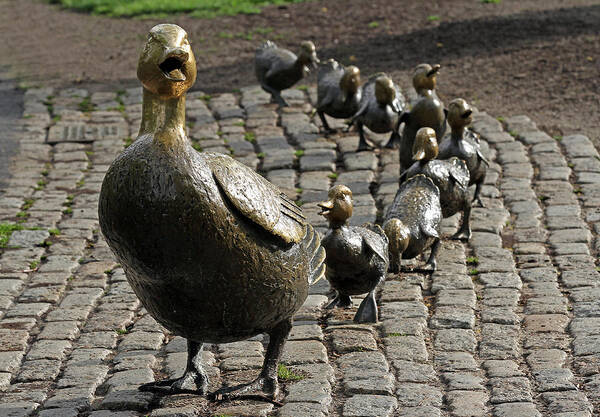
(333, 176)
(250, 137)
(374, 25)
(433, 18)
(284, 374)
(6, 230)
(54, 232)
(299, 153)
(473, 271)
(86, 105)
(472, 260)
(160, 8)
(396, 334)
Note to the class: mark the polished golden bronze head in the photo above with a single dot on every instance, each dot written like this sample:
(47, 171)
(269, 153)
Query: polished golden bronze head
(350, 80)
(308, 54)
(338, 208)
(398, 236)
(460, 113)
(425, 77)
(425, 146)
(385, 93)
(167, 66)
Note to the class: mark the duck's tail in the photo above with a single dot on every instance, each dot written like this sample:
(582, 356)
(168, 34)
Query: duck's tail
(317, 261)
(266, 45)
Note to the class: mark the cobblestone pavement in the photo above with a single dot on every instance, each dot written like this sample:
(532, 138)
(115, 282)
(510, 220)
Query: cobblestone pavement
(509, 325)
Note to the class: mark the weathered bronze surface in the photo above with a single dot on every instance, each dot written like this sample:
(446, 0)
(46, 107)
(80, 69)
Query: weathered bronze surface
(450, 176)
(380, 105)
(277, 68)
(357, 257)
(428, 111)
(214, 251)
(338, 91)
(464, 144)
(412, 222)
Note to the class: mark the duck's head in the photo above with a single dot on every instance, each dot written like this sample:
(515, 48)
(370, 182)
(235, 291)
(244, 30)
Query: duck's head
(398, 235)
(460, 113)
(425, 147)
(308, 54)
(338, 208)
(167, 66)
(385, 93)
(350, 80)
(425, 77)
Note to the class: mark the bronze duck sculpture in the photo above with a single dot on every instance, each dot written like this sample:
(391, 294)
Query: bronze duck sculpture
(277, 68)
(450, 176)
(379, 109)
(338, 91)
(427, 111)
(214, 252)
(357, 257)
(463, 143)
(412, 222)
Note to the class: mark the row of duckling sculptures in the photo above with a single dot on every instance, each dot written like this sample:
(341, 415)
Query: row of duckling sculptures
(218, 254)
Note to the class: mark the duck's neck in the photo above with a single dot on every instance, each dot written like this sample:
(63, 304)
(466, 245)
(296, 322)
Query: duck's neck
(425, 92)
(164, 119)
(337, 224)
(458, 132)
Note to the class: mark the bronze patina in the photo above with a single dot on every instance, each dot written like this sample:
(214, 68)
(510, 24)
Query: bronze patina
(463, 143)
(338, 91)
(380, 105)
(450, 176)
(214, 252)
(277, 68)
(427, 111)
(412, 222)
(357, 257)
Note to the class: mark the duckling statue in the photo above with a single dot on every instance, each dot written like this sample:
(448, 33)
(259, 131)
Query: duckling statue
(428, 111)
(450, 176)
(214, 252)
(277, 68)
(464, 144)
(412, 222)
(380, 105)
(338, 91)
(357, 257)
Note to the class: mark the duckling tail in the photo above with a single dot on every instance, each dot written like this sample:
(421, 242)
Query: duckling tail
(266, 45)
(367, 311)
(317, 262)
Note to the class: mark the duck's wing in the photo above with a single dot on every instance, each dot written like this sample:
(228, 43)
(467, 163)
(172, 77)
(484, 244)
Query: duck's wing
(459, 172)
(376, 241)
(257, 199)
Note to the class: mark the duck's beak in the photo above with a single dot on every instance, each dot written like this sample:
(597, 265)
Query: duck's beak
(466, 114)
(172, 64)
(434, 70)
(326, 207)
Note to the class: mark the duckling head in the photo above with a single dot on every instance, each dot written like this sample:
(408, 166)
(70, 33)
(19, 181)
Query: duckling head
(425, 77)
(338, 208)
(385, 93)
(308, 54)
(350, 80)
(460, 113)
(398, 235)
(425, 147)
(167, 66)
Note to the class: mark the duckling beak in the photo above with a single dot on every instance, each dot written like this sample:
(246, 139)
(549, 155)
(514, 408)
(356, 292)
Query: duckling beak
(466, 114)
(433, 70)
(172, 64)
(326, 207)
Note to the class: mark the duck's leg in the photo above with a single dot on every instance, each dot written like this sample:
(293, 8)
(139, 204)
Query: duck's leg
(367, 311)
(464, 233)
(476, 196)
(431, 264)
(275, 95)
(394, 140)
(265, 386)
(328, 129)
(340, 300)
(194, 379)
(362, 141)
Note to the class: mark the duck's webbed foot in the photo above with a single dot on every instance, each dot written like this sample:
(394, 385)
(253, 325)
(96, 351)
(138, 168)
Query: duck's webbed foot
(462, 234)
(265, 387)
(340, 300)
(193, 381)
(367, 311)
(275, 96)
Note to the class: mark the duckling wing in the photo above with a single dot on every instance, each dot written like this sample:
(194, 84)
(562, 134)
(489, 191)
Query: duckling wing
(376, 240)
(258, 200)
(459, 172)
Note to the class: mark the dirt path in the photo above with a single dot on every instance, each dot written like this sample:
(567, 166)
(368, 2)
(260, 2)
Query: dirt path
(516, 57)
